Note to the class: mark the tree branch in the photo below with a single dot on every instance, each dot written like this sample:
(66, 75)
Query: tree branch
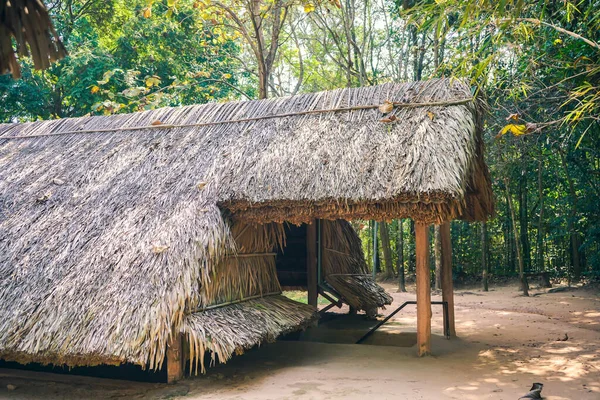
(557, 28)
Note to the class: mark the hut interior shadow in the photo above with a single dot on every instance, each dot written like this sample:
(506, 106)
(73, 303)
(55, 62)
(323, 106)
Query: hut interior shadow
(128, 372)
(291, 260)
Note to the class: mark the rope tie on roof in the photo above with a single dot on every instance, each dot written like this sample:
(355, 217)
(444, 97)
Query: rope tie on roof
(158, 125)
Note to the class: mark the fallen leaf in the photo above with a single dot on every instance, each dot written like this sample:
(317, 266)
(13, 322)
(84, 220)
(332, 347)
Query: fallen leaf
(158, 249)
(11, 387)
(157, 122)
(58, 182)
(386, 107)
(391, 118)
(201, 185)
(45, 197)
(430, 115)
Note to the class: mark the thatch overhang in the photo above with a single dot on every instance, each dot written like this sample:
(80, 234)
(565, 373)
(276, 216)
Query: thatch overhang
(345, 269)
(28, 24)
(109, 224)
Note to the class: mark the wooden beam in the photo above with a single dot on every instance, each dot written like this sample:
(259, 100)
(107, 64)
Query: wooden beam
(447, 285)
(175, 359)
(423, 289)
(311, 262)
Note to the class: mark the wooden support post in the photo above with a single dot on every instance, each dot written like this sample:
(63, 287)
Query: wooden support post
(175, 359)
(311, 263)
(423, 289)
(447, 285)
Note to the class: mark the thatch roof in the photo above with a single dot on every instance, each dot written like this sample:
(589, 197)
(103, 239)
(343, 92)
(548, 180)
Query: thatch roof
(28, 24)
(109, 224)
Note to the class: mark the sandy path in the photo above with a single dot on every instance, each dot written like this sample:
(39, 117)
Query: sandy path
(506, 343)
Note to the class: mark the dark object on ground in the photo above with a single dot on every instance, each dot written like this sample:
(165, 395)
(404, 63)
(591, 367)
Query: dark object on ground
(535, 392)
(560, 289)
(563, 339)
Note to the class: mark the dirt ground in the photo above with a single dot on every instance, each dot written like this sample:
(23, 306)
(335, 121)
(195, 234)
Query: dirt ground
(506, 342)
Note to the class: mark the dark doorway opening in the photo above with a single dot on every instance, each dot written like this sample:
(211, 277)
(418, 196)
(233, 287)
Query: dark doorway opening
(291, 260)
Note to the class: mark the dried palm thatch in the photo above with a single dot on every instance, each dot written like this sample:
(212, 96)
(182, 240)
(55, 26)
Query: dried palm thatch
(111, 227)
(249, 271)
(345, 269)
(233, 329)
(28, 23)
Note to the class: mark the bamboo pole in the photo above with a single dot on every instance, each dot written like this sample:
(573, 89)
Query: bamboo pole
(446, 275)
(522, 277)
(311, 263)
(423, 289)
(484, 256)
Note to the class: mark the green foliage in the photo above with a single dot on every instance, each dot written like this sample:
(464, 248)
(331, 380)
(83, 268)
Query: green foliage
(122, 61)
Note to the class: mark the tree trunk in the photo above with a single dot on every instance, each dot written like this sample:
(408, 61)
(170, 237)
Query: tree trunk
(484, 255)
(400, 247)
(524, 221)
(387, 251)
(509, 240)
(263, 83)
(421, 52)
(415, 51)
(411, 248)
(376, 258)
(540, 232)
(506, 232)
(524, 287)
(437, 246)
(574, 236)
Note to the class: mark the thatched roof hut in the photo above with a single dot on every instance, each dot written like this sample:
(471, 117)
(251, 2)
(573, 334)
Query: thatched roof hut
(28, 24)
(119, 232)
